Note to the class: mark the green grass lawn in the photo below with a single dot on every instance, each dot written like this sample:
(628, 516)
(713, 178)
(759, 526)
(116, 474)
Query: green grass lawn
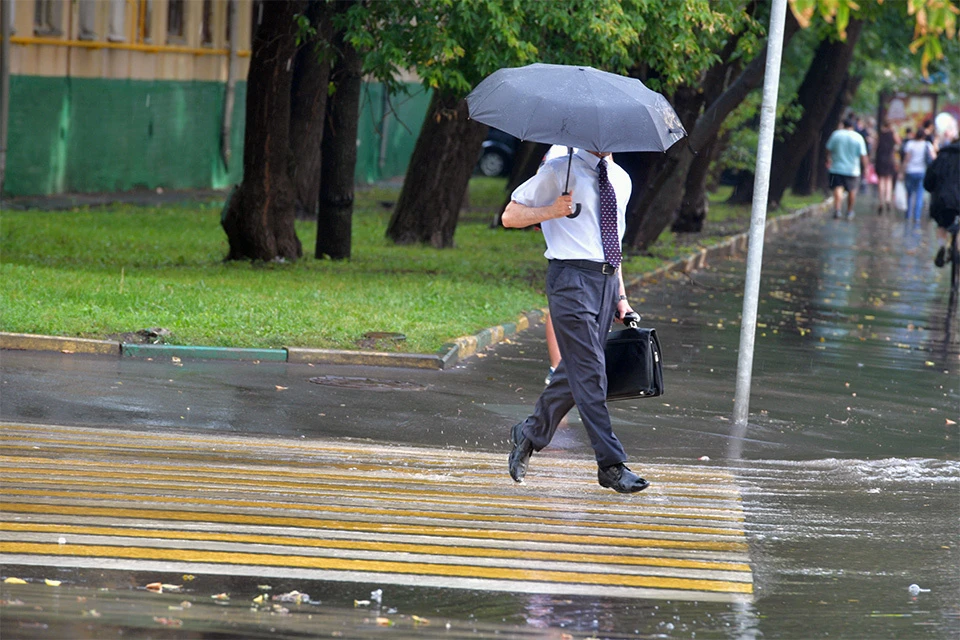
(110, 271)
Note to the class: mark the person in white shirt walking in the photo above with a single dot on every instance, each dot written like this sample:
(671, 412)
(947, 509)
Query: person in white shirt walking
(586, 293)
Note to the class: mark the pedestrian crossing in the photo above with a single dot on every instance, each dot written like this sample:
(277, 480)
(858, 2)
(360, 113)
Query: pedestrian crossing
(356, 511)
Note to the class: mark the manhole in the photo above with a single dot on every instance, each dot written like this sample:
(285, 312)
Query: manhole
(369, 384)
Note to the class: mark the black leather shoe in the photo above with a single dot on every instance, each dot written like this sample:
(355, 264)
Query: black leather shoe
(621, 479)
(522, 448)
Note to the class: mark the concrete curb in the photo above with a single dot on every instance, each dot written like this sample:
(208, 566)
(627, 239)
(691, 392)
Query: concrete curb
(448, 355)
(31, 342)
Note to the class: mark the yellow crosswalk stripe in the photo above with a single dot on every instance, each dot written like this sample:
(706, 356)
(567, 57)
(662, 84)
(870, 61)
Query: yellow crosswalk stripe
(346, 511)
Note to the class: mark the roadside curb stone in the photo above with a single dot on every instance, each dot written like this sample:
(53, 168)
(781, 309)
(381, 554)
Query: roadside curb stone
(448, 355)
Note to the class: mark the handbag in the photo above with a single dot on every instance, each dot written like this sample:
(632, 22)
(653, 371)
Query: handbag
(634, 363)
(900, 196)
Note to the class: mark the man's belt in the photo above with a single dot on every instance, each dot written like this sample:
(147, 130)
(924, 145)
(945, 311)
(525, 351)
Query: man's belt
(603, 267)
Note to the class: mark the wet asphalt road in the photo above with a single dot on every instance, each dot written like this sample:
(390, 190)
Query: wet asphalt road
(849, 470)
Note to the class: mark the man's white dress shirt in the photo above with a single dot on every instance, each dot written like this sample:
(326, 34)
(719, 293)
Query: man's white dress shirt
(575, 238)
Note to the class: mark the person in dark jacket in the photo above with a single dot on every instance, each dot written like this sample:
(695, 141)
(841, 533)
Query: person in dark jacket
(942, 180)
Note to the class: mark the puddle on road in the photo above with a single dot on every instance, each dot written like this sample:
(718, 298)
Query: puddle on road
(97, 604)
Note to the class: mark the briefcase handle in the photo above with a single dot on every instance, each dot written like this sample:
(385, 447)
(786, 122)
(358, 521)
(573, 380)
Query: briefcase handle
(631, 320)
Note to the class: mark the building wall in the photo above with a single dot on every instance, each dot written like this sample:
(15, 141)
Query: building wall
(114, 105)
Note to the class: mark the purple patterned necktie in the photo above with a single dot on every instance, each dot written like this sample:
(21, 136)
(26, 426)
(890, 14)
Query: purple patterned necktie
(609, 234)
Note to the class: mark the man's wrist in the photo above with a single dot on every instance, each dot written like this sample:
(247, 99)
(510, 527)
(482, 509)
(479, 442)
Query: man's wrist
(622, 297)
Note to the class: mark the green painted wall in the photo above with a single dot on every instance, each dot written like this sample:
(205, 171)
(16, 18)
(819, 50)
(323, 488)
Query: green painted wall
(94, 135)
(87, 135)
(405, 114)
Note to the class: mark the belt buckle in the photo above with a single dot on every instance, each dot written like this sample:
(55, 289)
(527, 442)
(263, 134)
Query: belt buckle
(604, 269)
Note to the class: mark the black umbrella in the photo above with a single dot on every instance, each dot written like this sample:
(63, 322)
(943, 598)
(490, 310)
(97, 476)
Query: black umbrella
(577, 107)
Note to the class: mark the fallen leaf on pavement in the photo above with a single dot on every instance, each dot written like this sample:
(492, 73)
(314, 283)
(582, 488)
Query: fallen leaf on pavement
(52, 583)
(384, 622)
(156, 587)
(14, 581)
(169, 622)
(221, 596)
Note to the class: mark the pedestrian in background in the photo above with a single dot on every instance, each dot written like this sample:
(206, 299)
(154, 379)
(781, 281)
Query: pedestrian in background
(846, 162)
(885, 162)
(942, 180)
(586, 293)
(919, 154)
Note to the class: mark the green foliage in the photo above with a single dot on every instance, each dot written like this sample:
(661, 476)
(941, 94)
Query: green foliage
(933, 20)
(453, 44)
(740, 153)
(885, 62)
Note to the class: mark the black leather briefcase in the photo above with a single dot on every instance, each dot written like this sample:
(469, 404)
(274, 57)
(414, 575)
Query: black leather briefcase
(634, 364)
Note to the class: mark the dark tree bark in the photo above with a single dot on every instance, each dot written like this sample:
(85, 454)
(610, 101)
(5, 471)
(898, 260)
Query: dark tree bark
(658, 199)
(311, 75)
(259, 218)
(694, 206)
(526, 162)
(335, 215)
(743, 189)
(692, 213)
(438, 175)
(817, 94)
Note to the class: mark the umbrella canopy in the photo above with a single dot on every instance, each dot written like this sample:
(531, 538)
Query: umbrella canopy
(577, 107)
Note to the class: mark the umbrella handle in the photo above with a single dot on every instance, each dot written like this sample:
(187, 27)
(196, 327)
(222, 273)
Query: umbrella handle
(566, 190)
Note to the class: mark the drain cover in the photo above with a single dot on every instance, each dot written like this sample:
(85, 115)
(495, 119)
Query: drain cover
(371, 384)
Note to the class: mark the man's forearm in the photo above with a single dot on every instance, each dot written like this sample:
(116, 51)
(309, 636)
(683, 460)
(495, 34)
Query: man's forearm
(518, 216)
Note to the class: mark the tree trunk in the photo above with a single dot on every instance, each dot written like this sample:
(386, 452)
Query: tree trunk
(526, 162)
(335, 215)
(311, 75)
(743, 189)
(259, 218)
(804, 182)
(438, 175)
(659, 198)
(817, 94)
(694, 206)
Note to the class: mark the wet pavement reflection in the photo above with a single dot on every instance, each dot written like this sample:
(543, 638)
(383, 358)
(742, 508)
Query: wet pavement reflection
(849, 471)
